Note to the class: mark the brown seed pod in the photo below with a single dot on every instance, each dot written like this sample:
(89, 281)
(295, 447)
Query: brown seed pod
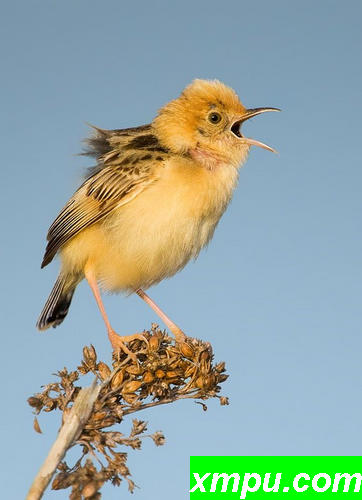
(220, 367)
(90, 489)
(209, 381)
(187, 350)
(37, 426)
(148, 377)
(89, 354)
(199, 382)
(62, 480)
(35, 402)
(107, 422)
(153, 343)
(172, 374)
(131, 386)
(160, 373)
(205, 382)
(129, 398)
(222, 377)
(104, 370)
(205, 356)
(117, 380)
(118, 411)
(134, 369)
(97, 417)
(50, 405)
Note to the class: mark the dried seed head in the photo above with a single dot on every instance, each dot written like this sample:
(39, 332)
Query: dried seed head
(138, 427)
(165, 370)
(158, 438)
(35, 402)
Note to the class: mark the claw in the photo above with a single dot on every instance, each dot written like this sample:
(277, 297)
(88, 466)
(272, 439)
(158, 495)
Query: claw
(118, 343)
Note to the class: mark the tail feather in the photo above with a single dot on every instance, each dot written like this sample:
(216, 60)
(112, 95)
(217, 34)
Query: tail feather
(57, 305)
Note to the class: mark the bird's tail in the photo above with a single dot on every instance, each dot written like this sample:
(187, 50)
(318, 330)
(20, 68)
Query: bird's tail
(57, 305)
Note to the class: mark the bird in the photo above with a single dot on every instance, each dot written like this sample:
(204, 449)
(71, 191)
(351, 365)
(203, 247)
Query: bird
(151, 202)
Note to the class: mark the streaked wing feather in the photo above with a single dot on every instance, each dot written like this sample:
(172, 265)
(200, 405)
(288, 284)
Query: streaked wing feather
(126, 160)
(96, 198)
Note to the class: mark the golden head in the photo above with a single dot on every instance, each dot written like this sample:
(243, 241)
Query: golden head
(205, 122)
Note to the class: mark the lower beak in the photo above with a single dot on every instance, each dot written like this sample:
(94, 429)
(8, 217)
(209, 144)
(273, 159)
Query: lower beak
(250, 113)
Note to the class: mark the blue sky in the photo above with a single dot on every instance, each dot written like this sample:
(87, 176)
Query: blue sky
(278, 291)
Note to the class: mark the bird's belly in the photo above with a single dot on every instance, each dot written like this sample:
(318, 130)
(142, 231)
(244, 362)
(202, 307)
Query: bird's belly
(158, 232)
(153, 247)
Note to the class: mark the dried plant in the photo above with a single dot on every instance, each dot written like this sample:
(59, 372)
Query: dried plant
(163, 372)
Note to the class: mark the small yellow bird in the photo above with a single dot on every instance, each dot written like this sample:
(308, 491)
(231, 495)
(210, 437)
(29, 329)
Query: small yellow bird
(151, 203)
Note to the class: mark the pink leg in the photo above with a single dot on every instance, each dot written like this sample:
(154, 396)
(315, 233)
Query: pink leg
(178, 333)
(116, 340)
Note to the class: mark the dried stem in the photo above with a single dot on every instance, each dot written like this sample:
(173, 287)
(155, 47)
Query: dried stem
(158, 403)
(68, 434)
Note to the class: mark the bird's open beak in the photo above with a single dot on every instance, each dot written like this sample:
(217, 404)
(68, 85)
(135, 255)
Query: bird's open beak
(249, 113)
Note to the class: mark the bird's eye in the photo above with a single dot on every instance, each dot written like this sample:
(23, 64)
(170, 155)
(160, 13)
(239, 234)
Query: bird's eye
(214, 117)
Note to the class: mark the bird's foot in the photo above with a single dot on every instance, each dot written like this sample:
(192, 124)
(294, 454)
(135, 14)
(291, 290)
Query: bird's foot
(118, 342)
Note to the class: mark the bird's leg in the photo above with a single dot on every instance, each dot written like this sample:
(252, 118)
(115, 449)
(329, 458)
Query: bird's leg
(117, 341)
(176, 330)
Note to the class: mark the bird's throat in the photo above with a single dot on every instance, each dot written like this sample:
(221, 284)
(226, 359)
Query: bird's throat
(207, 158)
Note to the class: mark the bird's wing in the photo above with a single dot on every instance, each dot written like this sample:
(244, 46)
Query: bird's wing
(128, 161)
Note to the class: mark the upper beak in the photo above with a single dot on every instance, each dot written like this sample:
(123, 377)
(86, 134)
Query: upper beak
(249, 113)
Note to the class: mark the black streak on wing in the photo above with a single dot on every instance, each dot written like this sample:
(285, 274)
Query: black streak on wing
(99, 144)
(143, 142)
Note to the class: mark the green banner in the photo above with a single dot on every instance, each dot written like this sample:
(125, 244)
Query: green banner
(255, 477)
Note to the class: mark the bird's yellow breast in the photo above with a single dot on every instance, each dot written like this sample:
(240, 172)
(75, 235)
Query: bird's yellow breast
(158, 232)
